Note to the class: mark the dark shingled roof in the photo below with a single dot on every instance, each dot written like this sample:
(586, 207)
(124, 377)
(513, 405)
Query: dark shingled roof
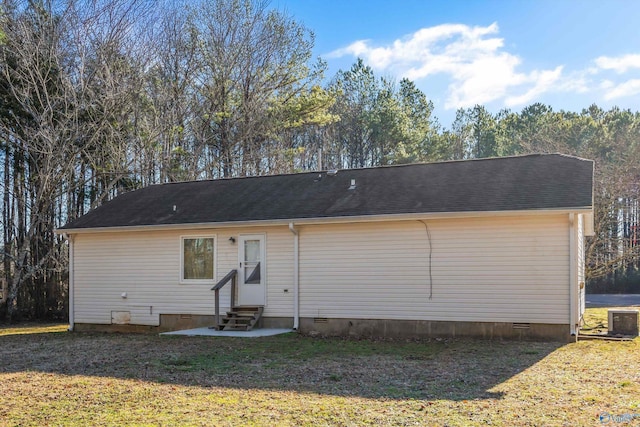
(541, 181)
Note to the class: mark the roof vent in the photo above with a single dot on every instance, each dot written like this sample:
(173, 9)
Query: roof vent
(332, 172)
(353, 185)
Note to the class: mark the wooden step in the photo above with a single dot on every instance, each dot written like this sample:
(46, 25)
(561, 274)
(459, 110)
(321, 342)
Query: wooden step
(241, 313)
(241, 318)
(237, 321)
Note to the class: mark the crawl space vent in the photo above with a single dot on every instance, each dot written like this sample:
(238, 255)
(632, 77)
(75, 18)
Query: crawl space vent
(521, 325)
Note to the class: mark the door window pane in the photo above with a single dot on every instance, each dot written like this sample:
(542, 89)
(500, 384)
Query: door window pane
(252, 251)
(252, 261)
(252, 274)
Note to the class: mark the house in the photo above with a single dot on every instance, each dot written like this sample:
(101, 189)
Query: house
(491, 248)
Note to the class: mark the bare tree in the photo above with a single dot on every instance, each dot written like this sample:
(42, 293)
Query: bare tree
(65, 74)
(251, 60)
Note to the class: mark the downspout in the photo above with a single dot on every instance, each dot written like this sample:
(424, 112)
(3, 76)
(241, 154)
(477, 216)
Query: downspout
(71, 281)
(573, 294)
(296, 276)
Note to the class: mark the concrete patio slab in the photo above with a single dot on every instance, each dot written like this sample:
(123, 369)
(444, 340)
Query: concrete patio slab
(206, 332)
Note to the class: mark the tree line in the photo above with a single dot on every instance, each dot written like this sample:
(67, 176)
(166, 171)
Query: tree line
(101, 97)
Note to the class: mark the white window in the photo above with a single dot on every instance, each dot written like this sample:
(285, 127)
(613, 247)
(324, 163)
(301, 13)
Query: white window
(197, 259)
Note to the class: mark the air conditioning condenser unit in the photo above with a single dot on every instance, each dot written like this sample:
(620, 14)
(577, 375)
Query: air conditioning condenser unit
(623, 322)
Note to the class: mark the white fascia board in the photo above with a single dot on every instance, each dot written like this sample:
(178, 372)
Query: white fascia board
(325, 220)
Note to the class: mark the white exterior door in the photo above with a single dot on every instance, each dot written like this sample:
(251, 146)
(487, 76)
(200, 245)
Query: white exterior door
(251, 270)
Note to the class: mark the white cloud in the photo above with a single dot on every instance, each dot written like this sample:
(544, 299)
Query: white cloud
(619, 64)
(575, 82)
(544, 81)
(357, 49)
(615, 88)
(607, 84)
(474, 58)
(628, 88)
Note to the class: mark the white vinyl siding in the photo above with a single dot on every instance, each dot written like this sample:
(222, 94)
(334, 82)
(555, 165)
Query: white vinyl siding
(146, 266)
(488, 269)
(513, 269)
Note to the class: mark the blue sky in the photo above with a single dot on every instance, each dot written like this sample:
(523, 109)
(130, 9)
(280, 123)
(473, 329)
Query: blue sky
(500, 54)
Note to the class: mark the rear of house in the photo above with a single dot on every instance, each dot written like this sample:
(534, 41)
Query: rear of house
(491, 248)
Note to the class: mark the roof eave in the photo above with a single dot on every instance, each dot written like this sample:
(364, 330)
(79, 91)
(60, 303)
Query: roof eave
(325, 220)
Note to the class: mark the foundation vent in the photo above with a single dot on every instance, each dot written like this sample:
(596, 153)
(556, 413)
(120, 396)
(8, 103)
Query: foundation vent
(320, 320)
(521, 325)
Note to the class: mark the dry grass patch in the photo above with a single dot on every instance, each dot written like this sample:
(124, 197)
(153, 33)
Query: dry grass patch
(59, 378)
(32, 328)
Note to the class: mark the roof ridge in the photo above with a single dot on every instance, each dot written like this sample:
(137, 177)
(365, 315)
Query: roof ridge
(401, 165)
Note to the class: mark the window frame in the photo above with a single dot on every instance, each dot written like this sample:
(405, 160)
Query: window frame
(184, 281)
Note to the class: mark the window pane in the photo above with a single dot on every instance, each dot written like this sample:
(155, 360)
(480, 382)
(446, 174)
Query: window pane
(198, 258)
(252, 251)
(252, 274)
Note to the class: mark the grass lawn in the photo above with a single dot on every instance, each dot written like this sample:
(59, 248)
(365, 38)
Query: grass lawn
(52, 377)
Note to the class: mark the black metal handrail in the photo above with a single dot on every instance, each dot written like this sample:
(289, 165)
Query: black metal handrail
(230, 276)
